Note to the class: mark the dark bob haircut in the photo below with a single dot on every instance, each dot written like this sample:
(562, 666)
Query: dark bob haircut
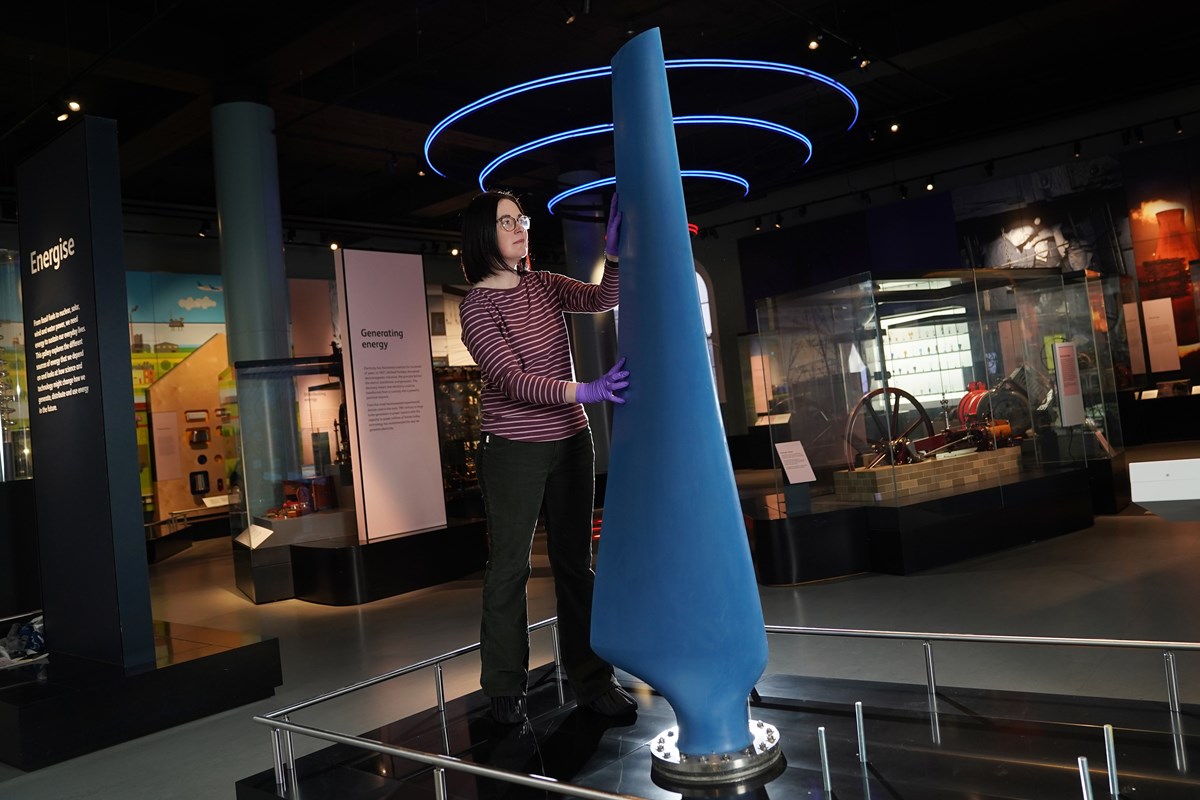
(480, 251)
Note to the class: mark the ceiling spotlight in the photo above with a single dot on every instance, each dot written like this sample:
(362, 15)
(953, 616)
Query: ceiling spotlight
(1078, 150)
(570, 15)
(62, 117)
(1137, 133)
(454, 251)
(894, 127)
(73, 105)
(929, 184)
(903, 192)
(1178, 125)
(420, 173)
(334, 245)
(861, 60)
(757, 224)
(778, 221)
(871, 134)
(205, 229)
(291, 235)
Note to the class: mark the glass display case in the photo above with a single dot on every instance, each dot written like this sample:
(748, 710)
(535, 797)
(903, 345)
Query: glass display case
(288, 474)
(907, 394)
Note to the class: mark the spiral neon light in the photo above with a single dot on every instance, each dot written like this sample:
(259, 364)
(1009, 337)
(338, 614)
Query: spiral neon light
(683, 173)
(599, 72)
(593, 130)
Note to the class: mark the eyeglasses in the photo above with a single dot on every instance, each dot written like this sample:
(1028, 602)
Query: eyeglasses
(510, 223)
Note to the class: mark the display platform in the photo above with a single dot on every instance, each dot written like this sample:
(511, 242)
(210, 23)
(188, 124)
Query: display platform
(981, 745)
(58, 708)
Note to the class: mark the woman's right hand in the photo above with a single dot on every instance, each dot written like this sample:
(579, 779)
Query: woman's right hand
(612, 235)
(604, 387)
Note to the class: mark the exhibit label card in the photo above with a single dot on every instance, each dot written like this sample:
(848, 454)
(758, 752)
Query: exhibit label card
(393, 431)
(1161, 340)
(795, 462)
(1070, 393)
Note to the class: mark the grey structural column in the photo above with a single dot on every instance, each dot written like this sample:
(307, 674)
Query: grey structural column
(256, 297)
(593, 336)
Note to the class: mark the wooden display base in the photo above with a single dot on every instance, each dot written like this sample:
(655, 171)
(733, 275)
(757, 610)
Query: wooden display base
(905, 481)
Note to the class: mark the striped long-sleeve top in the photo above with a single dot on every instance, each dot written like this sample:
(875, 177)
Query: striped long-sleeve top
(518, 337)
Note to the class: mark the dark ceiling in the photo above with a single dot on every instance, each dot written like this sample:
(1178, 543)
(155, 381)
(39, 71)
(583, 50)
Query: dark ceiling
(357, 87)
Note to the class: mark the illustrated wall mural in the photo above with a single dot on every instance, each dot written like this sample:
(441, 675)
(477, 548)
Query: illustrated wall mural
(170, 317)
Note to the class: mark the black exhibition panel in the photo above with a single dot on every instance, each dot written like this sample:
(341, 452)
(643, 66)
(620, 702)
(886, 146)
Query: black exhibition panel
(95, 582)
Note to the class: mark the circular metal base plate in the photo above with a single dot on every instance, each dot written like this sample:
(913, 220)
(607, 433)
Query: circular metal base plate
(677, 767)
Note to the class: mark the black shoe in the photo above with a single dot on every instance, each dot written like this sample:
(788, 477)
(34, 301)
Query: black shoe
(508, 710)
(616, 702)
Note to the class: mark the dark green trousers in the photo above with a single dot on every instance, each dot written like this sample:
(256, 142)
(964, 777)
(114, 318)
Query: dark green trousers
(519, 480)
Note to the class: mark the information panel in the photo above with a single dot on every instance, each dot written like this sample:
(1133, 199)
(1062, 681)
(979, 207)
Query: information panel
(95, 583)
(389, 393)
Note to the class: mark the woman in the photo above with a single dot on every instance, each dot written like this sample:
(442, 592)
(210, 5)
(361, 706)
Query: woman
(535, 449)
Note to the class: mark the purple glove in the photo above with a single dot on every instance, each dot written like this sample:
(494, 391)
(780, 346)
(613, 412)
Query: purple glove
(612, 235)
(603, 388)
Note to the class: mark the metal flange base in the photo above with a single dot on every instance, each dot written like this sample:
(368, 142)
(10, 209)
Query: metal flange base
(673, 766)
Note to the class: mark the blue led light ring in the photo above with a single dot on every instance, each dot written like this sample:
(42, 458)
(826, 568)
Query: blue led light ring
(593, 130)
(770, 66)
(683, 173)
(540, 83)
(599, 72)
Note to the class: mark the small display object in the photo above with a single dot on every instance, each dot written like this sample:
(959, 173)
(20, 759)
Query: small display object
(939, 384)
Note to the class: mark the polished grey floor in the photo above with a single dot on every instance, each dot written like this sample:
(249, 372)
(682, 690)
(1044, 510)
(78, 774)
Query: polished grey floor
(1130, 576)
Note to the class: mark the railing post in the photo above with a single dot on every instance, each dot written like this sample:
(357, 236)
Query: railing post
(1110, 754)
(440, 686)
(862, 735)
(439, 783)
(826, 781)
(1172, 681)
(277, 752)
(289, 758)
(562, 698)
(930, 680)
(935, 724)
(1181, 762)
(1085, 779)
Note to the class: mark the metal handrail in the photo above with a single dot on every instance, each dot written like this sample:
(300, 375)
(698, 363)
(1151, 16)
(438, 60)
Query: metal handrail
(927, 638)
(984, 638)
(450, 762)
(282, 727)
(396, 673)
(285, 761)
